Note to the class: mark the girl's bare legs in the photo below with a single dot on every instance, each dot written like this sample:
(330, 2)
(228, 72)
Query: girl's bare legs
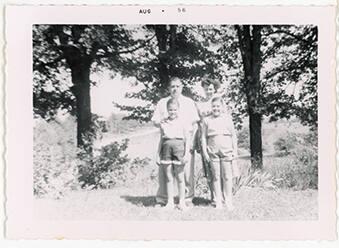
(215, 168)
(227, 181)
(169, 185)
(180, 176)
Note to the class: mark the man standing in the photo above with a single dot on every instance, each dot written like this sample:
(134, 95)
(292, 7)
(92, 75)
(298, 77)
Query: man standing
(189, 114)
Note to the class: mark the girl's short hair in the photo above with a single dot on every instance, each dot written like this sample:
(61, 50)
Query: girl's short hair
(172, 79)
(217, 98)
(206, 81)
(172, 101)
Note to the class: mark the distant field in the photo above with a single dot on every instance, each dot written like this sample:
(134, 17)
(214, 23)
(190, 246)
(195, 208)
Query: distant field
(117, 125)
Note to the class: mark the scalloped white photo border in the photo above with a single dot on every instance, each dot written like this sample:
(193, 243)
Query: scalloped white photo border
(19, 123)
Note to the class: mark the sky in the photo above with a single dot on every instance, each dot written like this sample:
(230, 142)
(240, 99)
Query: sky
(108, 90)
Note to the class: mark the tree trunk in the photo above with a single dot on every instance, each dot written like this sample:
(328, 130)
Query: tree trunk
(80, 78)
(255, 140)
(79, 63)
(162, 35)
(250, 41)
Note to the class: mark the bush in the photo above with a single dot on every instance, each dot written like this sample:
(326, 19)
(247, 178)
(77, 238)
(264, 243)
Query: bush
(93, 167)
(109, 166)
(244, 139)
(54, 160)
(286, 144)
(299, 170)
(124, 174)
(251, 178)
(54, 172)
(256, 178)
(59, 166)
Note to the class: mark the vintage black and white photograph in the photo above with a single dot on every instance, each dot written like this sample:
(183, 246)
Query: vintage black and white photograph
(175, 122)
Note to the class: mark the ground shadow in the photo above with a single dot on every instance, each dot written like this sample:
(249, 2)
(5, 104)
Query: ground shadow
(199, 201)
(146, 201)
(149, 201)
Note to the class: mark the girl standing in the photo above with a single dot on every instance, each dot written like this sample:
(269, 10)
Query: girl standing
(210, 87)
(219, 147)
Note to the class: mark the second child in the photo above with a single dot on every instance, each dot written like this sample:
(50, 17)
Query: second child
(219, 146)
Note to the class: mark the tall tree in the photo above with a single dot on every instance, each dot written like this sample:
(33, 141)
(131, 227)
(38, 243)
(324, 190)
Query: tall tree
(271, 71)
(62, 52)
(249, 44)
(179, 51)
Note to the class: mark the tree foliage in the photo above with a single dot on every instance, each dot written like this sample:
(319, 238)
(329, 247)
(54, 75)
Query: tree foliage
(288, 74)
(178, 51)
(288, 68)
(64, 56)
(291, 86)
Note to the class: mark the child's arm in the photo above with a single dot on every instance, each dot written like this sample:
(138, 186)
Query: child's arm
(234, 138)
(157, 123)
(204, 141)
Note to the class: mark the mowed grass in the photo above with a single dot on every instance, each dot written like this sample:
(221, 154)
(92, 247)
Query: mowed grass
(136, 201)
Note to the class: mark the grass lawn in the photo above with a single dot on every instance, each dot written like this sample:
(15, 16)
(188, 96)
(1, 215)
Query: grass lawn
(138, 203)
